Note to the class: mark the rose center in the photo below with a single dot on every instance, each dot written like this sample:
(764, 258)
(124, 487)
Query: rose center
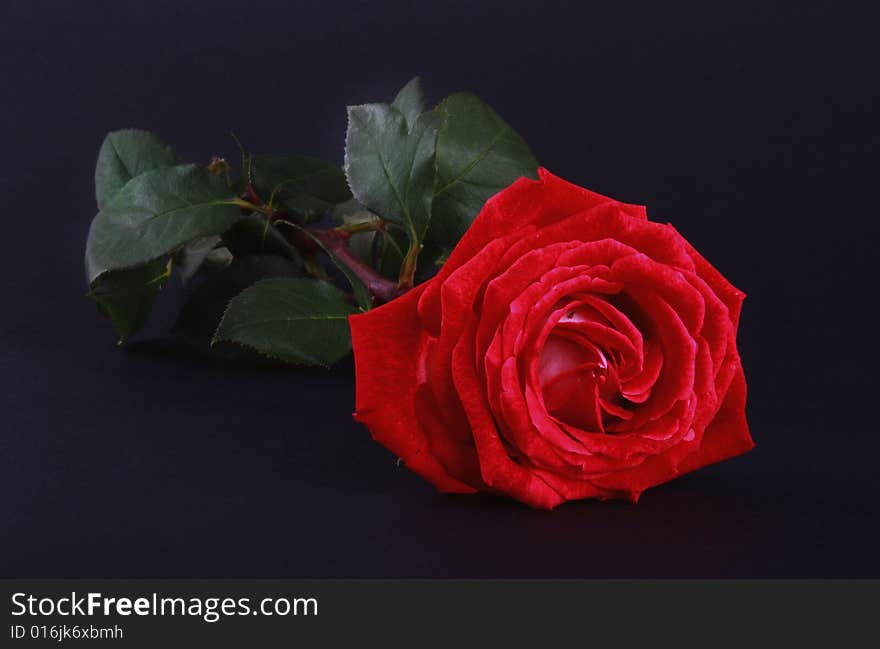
(578, 377)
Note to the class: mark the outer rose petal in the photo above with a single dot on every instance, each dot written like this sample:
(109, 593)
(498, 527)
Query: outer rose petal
(731, 296)
(728, 434)
(441, 371)
(387, 343)
(725, 437)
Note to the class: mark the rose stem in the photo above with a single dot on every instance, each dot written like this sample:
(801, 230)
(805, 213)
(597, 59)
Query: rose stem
(336, 242)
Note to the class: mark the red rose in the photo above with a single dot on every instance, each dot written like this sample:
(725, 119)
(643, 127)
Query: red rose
(569, 348)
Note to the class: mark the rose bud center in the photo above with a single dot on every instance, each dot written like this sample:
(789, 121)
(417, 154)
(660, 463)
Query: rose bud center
(579, 369)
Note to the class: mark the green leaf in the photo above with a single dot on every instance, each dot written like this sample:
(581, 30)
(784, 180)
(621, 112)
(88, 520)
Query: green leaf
(410, 101)
(201, 314)
(389, 249)
(305, 186)
(383, 248)
(390, 167)
(360, 291)
(431, 260)
(193, 255)
(124, 155)
(350, 211)
(301, 321)
(478, 155)
(155, 213)
(254, 235)
(127, 296)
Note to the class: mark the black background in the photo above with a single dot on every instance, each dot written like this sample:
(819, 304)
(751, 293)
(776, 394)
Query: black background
(750, 126)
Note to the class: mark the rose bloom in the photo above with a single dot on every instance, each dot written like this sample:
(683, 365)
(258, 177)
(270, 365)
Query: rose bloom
(569, 348)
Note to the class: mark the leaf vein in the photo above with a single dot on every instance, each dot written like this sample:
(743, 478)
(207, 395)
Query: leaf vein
(477, 160)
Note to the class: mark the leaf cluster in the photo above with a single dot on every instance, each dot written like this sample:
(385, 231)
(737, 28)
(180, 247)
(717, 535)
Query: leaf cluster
(277, 257)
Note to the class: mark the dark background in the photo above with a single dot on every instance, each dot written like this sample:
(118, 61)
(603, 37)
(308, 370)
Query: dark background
(751, 126)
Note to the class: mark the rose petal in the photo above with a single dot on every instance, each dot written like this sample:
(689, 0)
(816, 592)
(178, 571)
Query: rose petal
(387, 344)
